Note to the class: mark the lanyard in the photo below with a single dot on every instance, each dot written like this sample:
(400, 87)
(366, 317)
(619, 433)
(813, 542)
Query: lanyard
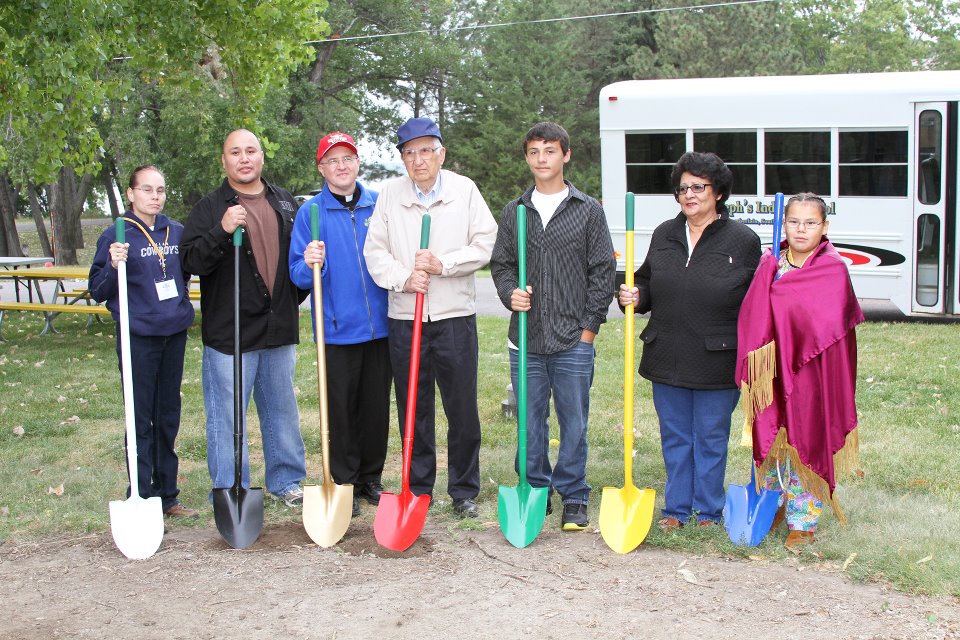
(161, 255)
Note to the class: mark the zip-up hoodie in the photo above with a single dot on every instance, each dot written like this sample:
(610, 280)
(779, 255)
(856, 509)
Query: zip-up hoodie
(354, 307)
(149, 316)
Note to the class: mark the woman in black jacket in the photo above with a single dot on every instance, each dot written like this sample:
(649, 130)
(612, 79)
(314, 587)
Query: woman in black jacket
(694, 277)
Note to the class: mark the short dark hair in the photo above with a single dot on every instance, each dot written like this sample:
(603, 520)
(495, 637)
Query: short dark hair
(812, 198)
(548, 132)
(708, 166)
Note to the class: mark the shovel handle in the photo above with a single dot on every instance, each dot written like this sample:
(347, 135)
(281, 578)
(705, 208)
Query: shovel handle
(237, 365)
(413, 378)
(126, 367)
(628, 349)
(522, 355)
(321, 352)
(777, 222)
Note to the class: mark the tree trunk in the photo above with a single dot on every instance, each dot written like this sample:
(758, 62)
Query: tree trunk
(39, 220)
(9, 238)
(108, 183)
(67, 197)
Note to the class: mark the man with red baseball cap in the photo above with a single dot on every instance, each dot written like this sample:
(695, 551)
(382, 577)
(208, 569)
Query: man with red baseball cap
(354, 318)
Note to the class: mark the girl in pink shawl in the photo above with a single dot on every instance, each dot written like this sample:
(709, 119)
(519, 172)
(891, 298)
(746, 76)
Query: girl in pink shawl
(797, 369)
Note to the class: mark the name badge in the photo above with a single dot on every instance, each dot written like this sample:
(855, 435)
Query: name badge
(167, 289)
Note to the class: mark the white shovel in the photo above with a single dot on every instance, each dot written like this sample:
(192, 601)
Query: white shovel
(136, 524)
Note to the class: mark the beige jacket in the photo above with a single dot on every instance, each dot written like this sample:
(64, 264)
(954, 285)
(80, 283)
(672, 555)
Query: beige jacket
(462, 235)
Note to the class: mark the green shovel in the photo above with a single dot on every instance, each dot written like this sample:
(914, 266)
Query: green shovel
(521, 509)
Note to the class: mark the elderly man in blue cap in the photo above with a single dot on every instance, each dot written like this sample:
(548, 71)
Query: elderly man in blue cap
(462, 236)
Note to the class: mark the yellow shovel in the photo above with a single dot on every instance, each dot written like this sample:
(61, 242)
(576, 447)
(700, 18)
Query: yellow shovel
(626, 514)
(327, 508)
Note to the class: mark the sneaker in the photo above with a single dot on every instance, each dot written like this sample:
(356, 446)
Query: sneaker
(370, 491)
(177, 510)
(574, 517)
(356, 507)
(292, 497)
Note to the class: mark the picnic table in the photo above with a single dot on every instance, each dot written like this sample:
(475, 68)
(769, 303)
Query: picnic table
(34, 277)
(15, 262)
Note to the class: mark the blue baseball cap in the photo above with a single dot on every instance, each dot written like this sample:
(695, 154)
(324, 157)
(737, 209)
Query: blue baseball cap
(417, 128)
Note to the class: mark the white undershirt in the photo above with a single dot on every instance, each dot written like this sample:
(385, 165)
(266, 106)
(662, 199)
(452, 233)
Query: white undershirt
(546, 205)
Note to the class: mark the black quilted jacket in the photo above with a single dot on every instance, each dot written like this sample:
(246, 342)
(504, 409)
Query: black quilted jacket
(691, 338)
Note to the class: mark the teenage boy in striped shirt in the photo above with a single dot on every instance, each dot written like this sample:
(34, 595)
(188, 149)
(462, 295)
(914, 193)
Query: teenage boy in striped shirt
(571, 271)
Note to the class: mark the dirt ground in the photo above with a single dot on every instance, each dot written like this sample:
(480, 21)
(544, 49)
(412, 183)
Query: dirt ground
(451, 583)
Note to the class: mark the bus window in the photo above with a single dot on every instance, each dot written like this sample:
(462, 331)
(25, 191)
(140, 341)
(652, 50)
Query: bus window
(928, 159)
(650, 157)
(928, 259)
(873, 163)
(797, 161)
(738, 149)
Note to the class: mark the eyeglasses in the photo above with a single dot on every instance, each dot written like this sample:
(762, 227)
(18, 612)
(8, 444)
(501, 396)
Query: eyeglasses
(424, 153)
(345, 161)
(149, 191)
(696, 187)
(803, 224)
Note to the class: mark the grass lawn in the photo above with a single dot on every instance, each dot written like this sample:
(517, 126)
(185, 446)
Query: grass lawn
(61, 423)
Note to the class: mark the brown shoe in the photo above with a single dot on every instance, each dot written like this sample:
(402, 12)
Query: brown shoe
(669, 523)
(706, 523)
(797, 539)
(180, 511)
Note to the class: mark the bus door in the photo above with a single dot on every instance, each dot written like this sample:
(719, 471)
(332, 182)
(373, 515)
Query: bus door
(934, 208)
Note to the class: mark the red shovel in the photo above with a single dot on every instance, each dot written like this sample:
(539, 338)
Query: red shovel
(400, 516)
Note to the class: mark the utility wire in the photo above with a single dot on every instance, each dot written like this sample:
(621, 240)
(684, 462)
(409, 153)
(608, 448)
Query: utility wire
(377, 36)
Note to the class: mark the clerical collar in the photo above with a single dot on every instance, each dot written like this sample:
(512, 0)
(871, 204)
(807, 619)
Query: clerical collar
(349, 201)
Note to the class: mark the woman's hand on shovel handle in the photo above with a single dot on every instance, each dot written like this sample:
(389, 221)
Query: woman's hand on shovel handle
(520, 299)
(314, 253)
(417, 282)
(118, 253)
(629, 296)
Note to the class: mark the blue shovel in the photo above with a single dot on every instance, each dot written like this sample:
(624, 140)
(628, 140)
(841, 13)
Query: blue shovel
(748, 513)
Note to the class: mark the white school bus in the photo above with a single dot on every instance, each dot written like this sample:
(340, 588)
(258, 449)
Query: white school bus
(880, 148)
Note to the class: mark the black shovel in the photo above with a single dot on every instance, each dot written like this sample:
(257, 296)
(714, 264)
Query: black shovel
(238, 512)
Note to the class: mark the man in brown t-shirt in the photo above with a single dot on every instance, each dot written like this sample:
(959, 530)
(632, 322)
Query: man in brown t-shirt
(269, 316)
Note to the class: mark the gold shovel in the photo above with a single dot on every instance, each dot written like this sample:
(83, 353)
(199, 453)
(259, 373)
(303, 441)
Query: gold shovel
(327, 508)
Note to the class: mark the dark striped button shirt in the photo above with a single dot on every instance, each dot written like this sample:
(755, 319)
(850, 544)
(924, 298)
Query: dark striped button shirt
(570, 266)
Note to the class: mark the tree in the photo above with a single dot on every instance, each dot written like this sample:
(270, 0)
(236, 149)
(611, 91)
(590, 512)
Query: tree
(59, 75)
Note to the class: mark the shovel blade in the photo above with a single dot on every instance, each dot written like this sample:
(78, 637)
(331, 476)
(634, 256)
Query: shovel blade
(238, 513)
(327, 510)
(137, 526)
(625, 516)
(521, 511)
(748, 516)
(399, 519)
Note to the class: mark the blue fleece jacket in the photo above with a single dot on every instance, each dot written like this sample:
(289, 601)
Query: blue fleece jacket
(354, 307)
(149, 316)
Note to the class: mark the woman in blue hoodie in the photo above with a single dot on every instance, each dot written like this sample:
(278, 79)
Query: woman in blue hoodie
(160, 314)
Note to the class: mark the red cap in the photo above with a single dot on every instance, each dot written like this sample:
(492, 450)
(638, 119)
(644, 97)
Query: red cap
(331, 140)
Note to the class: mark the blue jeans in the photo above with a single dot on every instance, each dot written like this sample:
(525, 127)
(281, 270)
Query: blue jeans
(694, 432)
(269, 374)
(568, 375)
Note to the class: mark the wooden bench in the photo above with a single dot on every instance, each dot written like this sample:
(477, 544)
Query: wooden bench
(50, 311)
(84, 294)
